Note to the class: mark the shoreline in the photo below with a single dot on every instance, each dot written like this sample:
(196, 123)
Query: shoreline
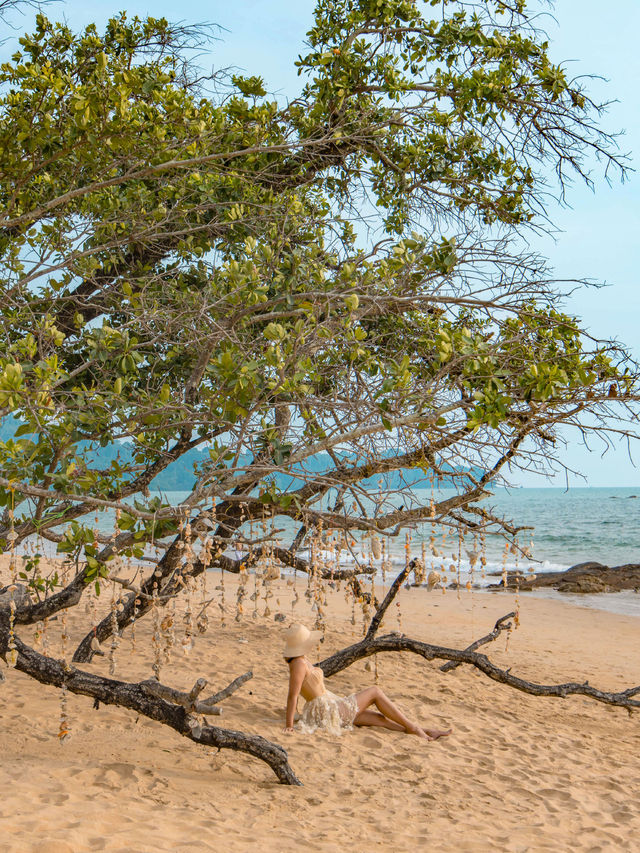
(622, 603)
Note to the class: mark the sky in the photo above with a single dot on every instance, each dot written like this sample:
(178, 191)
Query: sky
(599, 230)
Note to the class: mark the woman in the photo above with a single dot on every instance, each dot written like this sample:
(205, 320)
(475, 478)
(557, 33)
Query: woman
(325, 710)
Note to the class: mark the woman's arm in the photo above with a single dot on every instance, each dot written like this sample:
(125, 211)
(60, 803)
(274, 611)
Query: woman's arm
(297, 672)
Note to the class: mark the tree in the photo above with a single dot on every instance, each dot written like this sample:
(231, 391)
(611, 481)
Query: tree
(337, 283)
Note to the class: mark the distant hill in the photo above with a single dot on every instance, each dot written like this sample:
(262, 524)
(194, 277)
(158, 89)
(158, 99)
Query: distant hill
(180, 476)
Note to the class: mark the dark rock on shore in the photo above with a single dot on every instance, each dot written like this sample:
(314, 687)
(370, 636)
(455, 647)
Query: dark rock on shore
(582, 578)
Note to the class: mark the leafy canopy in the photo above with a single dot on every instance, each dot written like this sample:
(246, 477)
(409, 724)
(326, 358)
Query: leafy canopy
(189, 263)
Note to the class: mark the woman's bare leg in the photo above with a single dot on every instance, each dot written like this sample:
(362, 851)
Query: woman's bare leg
(374, 718)
(375, 696)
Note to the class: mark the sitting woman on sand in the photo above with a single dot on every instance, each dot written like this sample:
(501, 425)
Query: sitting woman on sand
(325, 710)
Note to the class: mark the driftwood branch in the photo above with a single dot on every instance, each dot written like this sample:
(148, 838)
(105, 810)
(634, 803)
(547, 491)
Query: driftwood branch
(190, 700)
(130, 695)
(229, 689)
(500, 626)
(399, 643)
(391, 594)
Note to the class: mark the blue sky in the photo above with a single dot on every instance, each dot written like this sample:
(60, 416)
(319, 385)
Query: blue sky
(600, 231)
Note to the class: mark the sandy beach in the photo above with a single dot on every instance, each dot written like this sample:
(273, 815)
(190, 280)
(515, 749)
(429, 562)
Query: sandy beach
(519, 773)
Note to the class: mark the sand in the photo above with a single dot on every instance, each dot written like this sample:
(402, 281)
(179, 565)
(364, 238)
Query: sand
(519, 773)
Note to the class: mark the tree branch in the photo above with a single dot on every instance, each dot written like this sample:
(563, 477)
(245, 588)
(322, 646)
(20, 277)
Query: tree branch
(498, 628)
(394, 643)
(391, 594)
(134, 696)
(190, 700)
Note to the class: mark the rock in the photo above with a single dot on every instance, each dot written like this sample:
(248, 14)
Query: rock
(583, 578)
(584, 585)
(279, 617)
(589, 566)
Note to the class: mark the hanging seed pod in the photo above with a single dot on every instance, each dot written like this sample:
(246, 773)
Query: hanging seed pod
(167, 632)
(45, 637)
(433, 578)
(63, 730)
(255, 595)
(156, 637)
(221, 605)
(187, 619)
(505, 555)
(12, 656)
(115, 641)
(365, 615)
(136, 606)
(268, 594)
(376, 548)
(240, 595)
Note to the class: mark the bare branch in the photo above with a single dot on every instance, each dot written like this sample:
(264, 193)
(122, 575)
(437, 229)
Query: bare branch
(392, 643)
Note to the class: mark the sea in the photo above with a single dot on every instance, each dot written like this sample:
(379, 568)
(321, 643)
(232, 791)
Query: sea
(568, 527)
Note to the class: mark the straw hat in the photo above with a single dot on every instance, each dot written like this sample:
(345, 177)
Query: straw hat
(298, 640)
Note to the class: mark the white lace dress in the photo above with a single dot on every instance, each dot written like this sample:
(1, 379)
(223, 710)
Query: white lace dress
(327, 711)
